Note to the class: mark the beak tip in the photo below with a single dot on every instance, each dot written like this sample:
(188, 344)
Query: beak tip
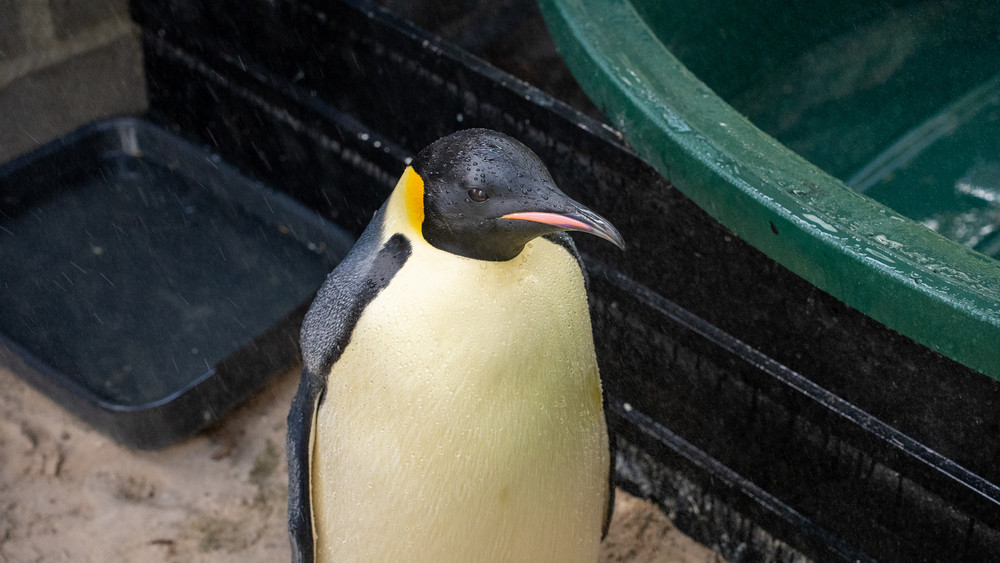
(616, 239)
(605, 230)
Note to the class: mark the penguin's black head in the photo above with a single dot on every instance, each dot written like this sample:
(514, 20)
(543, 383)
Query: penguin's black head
(486, 195)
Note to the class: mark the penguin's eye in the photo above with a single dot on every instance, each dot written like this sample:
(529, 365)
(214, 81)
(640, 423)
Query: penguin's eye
(477, 195)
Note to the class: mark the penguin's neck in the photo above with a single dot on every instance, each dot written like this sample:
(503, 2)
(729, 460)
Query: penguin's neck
(500, 306)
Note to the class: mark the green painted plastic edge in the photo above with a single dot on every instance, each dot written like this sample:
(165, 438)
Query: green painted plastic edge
(933, 290)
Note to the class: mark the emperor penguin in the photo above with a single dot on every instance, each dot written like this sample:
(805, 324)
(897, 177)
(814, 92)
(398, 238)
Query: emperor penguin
(450, 407)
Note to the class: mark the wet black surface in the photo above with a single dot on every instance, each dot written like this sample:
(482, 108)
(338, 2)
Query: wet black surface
(509, 34)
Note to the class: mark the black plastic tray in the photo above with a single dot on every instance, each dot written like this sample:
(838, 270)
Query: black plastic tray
(145, 284)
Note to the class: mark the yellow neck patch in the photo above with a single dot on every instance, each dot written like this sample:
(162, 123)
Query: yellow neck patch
(413, 197)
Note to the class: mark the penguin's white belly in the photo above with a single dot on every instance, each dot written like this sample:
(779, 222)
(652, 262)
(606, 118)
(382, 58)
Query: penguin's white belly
(464, 421)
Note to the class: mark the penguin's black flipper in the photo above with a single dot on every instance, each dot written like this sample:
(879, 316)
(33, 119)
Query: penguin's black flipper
(610, 510)
(326, 332)
(300, 426)
(564, 240)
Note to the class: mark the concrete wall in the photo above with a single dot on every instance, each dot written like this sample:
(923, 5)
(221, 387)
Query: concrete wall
(64, 63)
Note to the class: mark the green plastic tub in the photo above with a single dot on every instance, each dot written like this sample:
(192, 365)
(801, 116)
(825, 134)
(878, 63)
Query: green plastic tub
(857, 143)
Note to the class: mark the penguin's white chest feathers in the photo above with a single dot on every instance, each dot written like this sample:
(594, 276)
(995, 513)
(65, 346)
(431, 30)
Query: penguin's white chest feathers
(464, 421)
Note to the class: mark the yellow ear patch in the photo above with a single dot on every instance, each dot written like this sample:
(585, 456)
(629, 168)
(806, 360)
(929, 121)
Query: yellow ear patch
(413, 189)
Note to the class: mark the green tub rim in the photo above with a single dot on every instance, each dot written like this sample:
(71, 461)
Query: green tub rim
(891, 268)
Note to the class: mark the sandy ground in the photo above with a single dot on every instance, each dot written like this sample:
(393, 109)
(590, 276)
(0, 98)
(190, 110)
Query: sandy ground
(68, 493)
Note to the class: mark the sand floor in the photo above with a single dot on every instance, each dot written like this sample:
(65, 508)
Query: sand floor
(68, 493)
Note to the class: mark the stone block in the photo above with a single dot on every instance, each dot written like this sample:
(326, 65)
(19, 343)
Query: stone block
(12, 42)
(53, 100)
(71, 16)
